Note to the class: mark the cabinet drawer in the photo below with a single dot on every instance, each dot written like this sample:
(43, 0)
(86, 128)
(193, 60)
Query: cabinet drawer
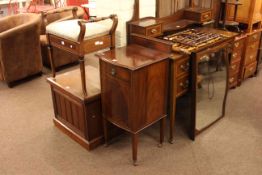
(115, 71)
(250, 57)
(236, 55)
(182, 67)
(238, 45)
(250, 70)
(253, 46)
(207, 16)
(234, 68)
(182, 85)
(64, 44)
(97, 44)
(154, 31)
(232, 80)
(254, 37)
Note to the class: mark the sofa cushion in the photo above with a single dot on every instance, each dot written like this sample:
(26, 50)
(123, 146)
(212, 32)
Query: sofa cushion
(70, 29)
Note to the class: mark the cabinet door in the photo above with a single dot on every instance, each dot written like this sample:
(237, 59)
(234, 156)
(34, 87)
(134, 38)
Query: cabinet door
(115, 98)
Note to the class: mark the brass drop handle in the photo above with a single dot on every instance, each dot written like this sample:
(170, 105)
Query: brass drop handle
(185, 67)
(255, 36)
(113, 72)
(234, 55)
(233, 67)
(71, 46)
(231, 80)
(237, 44)
(153, 31)
(184, 85)
(93, 116)
(204, 58)
(251, 57)
(206, 16)
(63, 43)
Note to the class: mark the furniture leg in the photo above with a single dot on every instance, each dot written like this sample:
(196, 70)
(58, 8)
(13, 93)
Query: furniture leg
(83, 74)
(134, 148)
(162, 131)
(105, 131)
(51, 60)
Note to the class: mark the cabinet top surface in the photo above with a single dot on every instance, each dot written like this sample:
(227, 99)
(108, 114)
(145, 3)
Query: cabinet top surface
(133, 56)
(146, 22)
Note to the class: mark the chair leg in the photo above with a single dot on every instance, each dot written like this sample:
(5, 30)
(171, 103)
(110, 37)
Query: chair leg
(134, 148)
(51, 60)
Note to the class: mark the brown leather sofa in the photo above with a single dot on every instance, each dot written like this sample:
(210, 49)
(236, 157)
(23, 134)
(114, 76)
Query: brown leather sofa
(20, 54)
(60, 14)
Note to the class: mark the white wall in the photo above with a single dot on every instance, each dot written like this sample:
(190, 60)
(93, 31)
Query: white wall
(124, 10)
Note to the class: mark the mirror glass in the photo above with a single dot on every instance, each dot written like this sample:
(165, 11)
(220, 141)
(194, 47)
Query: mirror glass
(211, 89)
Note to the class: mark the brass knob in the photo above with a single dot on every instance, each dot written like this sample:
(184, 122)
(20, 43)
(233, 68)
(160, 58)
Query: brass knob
(63, 43)
(206, 16)
(255, 36)
(251, 57)
(184, 85)
(234, 55)
(113, 72)
(153, 31)
(236, 44)
(184, 67)
(231, 80)
(233, 67)
(93, 116)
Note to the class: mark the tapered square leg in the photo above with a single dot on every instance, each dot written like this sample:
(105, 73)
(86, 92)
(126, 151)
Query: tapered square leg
(105, 126)
(134, 148)
(162, 131)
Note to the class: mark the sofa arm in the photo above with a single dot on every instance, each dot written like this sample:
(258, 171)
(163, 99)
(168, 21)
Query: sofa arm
(21, 28)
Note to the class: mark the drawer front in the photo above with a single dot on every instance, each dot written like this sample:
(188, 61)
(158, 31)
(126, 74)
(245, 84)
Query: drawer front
(234, 68)
(236, 56)
(232, 80)
(182, 67)
(96, 44)
(154, 30)
(207, 16)
(251, 56)
(64, 44)
(238, 45)
(250, 70)
(253, 46)
(254, 37)
(182, 85)
(116, 72)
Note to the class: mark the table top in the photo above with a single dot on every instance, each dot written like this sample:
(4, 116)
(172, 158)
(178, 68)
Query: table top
(133, 56)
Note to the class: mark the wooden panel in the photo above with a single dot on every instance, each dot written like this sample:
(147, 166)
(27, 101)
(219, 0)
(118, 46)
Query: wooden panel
(156, 89)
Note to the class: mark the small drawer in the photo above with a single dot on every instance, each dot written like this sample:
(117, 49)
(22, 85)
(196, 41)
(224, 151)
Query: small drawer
(182, 85)
(232, 80)
(116, 72)
(254, 37)
(250, 57)
(234, 68)
(182, 67)
(154, 31)
(250, 70)
(253, 46)
(207, 16)
(238, 45)
(97, 43)
(236, 55)
(64, 44)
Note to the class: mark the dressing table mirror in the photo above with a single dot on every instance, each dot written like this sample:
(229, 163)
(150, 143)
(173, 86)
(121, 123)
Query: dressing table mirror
(198, 98)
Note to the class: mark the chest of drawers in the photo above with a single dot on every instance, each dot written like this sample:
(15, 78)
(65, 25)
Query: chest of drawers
(134, 89)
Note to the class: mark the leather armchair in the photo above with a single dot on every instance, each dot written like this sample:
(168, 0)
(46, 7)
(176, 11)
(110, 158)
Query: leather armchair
(20, 54)
(60, 14)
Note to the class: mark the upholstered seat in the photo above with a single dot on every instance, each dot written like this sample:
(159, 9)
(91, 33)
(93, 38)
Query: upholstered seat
(52, 16)
(70, 29)
(19, 47)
